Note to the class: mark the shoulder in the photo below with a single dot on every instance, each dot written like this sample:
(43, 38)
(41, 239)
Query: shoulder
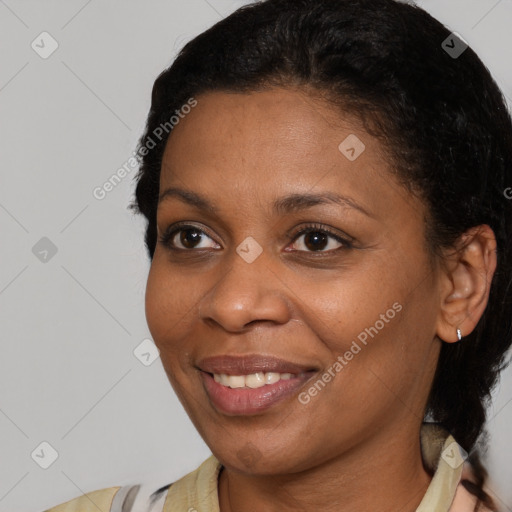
(464, 501)
(91, 502)
(198, 486)
(125, 498)
(196, 491)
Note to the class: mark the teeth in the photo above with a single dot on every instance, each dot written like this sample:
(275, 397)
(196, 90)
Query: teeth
(236, 381)
(253, 380)
(271, 377)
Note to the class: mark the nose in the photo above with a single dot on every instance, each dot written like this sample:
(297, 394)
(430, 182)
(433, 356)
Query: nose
(246, 293)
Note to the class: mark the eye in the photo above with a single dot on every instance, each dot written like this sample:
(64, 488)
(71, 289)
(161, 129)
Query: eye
(317, 238)
(186, 237)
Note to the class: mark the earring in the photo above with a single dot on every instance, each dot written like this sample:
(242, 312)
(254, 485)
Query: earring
(459, 334)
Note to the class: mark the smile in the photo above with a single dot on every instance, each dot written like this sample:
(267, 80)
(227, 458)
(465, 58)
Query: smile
(253, 380)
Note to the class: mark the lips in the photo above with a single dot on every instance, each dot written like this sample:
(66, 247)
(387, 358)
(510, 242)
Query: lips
(245, 365)
(246, 400)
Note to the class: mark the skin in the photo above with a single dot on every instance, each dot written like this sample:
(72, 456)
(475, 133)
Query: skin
(355, 445)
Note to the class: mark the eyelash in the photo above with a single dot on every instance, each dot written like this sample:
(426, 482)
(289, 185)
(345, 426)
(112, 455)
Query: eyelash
(168, 236)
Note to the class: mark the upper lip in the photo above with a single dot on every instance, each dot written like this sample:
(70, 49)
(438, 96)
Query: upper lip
(245, 365)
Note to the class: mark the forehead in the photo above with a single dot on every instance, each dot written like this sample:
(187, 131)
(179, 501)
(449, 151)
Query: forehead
(270, 132)
(292, 114)
(251, 148)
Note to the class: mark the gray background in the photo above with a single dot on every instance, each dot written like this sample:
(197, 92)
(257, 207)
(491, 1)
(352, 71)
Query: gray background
(70, 323)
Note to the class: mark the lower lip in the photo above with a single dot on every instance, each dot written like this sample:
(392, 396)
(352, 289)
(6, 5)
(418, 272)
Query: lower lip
(240, 401)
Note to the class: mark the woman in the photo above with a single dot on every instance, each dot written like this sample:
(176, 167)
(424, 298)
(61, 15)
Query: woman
(328, 227)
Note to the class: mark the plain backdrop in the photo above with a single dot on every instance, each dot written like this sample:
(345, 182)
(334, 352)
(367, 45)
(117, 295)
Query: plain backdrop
(73, 268)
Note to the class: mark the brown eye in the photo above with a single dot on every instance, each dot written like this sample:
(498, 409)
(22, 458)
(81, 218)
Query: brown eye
(190, 237)
(319, 240)
(316, 240)
(187, 238)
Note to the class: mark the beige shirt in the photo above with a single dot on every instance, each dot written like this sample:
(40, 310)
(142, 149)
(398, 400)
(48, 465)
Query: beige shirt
(198, 490)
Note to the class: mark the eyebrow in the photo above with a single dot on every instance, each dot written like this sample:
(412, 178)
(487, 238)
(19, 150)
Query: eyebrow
(283, 205)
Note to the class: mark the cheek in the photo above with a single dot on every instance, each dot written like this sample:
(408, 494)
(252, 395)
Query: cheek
(156, 303)
(168, 308)
(353, 306)
(166, 316)
(171, 304)
(380, 326)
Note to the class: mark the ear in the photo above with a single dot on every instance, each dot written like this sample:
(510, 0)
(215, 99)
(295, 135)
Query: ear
(466, 283)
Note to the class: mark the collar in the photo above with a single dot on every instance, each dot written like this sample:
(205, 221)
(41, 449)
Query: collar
(442, 456)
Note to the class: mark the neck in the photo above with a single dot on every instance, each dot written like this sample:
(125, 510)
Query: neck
(384, 473)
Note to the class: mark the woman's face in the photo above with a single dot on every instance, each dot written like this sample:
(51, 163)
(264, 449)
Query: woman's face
(348, 307)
